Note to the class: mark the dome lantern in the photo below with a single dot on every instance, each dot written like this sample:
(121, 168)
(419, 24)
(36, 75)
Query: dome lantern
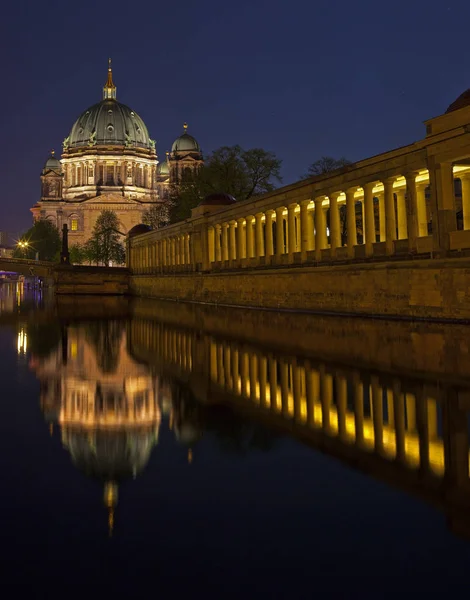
(109, 90)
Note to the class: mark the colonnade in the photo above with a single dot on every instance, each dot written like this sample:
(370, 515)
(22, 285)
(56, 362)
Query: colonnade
(168, 254)
(109, 172)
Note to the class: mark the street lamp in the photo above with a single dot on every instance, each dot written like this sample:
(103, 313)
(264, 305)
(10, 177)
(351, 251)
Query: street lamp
(23, 245)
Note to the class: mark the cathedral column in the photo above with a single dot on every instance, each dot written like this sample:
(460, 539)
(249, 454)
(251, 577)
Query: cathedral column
(291, 234)
(225, 248)
(401, 213)
(249, 237)
(218, 248)
(351, 220)
(232, 241)
(240, 239)
(369, 216)
(268, 228)
(391, 226)
(279, 231)
(335, 230)
(259, 238)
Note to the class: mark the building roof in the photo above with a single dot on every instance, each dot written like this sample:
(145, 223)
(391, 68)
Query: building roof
(52, 163)
(462, 101)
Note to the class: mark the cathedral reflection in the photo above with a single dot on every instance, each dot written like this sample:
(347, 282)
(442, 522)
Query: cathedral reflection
(109, 385)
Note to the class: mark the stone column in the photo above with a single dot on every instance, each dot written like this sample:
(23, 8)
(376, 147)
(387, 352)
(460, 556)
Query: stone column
(187, 246)
(279, 231)
(306, 230)
(335, 231)
(421, 209)
(320, 229)
(444, 221)
(465, 181)
(268, 228)
(250, 238)
(240, 239)
(291, 237)
(232, 243)
(411, 210)
(183, 260)
(382, 229)
(225, 248)
(391, 225)
(259, 237)
(369, 216)
(401, 213)
(218, 249)
(351, 220)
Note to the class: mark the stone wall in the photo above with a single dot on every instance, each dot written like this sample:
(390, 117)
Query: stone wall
(91, 280)
(428, 289)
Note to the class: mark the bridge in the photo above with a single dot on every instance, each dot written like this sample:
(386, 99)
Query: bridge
(386, 236)
(28, 268)
(407, 430)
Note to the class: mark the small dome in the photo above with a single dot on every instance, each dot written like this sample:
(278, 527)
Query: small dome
(217, 199)
(163, 168)
(462, 101)
(138, 230)
(52, 164)
(185, 142)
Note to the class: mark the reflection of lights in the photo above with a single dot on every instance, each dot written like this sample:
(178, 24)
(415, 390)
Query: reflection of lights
(22, 343)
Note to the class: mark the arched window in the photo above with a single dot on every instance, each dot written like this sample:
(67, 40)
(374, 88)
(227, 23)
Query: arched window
(74, 223)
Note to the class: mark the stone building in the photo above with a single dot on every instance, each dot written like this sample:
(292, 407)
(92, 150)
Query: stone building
(109, 161)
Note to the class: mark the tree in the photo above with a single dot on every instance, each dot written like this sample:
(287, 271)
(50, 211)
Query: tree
(78, 254)
(326, 164)
(42, 238)
(230, 169)
(157, 215)
(104, 245)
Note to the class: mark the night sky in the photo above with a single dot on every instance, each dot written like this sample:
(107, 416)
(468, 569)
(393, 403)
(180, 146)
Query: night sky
(300, 78)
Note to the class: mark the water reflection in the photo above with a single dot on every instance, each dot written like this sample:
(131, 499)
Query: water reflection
(111, 385)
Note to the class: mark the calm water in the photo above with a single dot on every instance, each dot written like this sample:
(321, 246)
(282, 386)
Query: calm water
(177, 449)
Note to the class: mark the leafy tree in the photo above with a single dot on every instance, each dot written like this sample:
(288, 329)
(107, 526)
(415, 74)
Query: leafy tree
(42, 238)
(157, 215)
(105, 246)
(78, 254)
(326, 164)
(230, 169)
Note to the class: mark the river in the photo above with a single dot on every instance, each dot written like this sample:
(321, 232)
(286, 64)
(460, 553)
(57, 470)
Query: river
(151, 447)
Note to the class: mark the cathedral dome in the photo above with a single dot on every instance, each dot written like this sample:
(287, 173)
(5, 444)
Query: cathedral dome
(109, 123)
(52, 164)
(163, 169)
(185, 143)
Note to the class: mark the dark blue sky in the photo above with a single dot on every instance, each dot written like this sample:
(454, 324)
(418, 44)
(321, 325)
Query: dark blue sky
(300, 78)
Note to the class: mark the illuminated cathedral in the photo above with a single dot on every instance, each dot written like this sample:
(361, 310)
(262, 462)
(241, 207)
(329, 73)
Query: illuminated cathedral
(109, 161)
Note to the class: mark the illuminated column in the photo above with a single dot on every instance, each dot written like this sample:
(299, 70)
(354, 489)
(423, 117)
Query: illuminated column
(422, 427)
(263, 372)
(351, 220)
(342, 406)
(220, 365)
(326, 397)
(250, 238)
(268, 228)
(377, 414)
(218, 249)
(291, 237)
(232, 241)
(358, 409)
(411, 210)
(381, 199)
(187, 248)
(225, 248)
(253, 377)
(182, 250)
(401, 214)
(320, 229)
(410, 402)
(240, 239)
(370, 237)
(465, 180)
(244, 373)
(273, 382)
(312, 386)
(421, 210)
(259, 237)
(177, 250)
(279, 231)
(284, 387)
(391, 225)
(172, 252)
(227, 367)
(335, 228)
(236, 383)
(432, 418)
(306, 229)
(399, 421)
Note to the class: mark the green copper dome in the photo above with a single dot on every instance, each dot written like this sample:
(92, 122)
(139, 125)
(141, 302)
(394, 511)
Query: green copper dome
(52, 164)
(109, 123)
(185, 142)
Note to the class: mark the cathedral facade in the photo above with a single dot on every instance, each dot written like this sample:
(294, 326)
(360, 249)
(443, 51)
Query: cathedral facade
(109, 162)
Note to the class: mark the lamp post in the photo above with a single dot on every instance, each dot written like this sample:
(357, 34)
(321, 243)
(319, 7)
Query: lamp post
(23, 245)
